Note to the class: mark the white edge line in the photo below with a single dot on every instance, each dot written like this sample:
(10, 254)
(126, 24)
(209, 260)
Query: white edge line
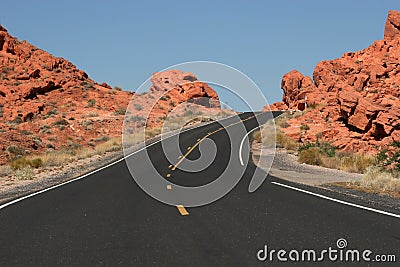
(337, 200)
(241, 144)
(104, 167)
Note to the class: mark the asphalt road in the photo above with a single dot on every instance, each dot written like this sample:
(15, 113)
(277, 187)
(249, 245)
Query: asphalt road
(106, 219)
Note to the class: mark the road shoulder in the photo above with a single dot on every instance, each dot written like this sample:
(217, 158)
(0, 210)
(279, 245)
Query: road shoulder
(286, 170)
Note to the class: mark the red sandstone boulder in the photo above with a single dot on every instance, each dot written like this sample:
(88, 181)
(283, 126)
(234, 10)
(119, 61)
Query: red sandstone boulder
(356, 97)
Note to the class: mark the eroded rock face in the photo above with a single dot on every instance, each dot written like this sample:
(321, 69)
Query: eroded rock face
(353, 100)
(46, 103)
(173, 87)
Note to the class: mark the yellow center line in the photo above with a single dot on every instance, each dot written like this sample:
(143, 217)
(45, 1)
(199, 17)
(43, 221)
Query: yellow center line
(182, 210)
(190, 149)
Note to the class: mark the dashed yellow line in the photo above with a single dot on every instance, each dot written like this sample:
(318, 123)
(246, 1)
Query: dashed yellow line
(182, 210)
(190, 149)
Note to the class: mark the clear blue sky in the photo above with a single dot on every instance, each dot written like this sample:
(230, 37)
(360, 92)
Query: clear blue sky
(123, 43)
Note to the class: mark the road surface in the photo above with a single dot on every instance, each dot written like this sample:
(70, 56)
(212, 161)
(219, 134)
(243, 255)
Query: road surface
(105, 219)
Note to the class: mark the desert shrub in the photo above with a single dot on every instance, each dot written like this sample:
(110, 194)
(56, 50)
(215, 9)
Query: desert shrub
(136, 118)
(324, 147)
(21, 163)
(17, 120)
(120, 111)
(312, 156)
(37, 163)
(45, 129)
(377, 180)
(102, 139)
(152, 132)
(114, 144)
(137, 107)
(91, 103)
(26, 132)
(283, 124)
(304, 127)
(165, 97)
(25, 173)
(16, 150)
(54, 111)
(117, 88)
(355, 163)
(389, 159)
(284, 141)
(60, 122)
(92, 114)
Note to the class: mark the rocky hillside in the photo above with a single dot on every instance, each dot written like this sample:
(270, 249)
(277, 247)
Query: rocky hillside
(354, 100)
(46, 103)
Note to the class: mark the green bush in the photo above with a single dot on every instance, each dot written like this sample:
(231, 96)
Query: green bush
(37, 163)
(325, 147)
(389, 159)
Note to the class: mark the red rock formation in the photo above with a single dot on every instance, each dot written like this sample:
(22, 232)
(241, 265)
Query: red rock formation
(47, 103)
(173, 87)
(353, 100)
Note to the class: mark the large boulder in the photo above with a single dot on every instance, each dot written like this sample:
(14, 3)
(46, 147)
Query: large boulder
(354, 100)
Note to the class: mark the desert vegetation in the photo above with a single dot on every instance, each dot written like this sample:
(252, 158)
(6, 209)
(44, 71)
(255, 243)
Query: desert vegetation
(381, 172)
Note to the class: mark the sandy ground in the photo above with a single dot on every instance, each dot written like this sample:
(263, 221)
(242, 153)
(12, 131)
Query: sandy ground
(285, 166)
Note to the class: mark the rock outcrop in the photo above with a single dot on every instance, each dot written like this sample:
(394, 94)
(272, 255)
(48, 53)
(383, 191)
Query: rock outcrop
(46, 103)
(173, 87)
(354, 100)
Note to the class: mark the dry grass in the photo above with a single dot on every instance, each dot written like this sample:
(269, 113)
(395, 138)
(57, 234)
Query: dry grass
(61, 157)
(380, 181)
(311, 156)
(270, 137)
(350, 163)
(284, 141)
(114, 144)
(356, 163)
